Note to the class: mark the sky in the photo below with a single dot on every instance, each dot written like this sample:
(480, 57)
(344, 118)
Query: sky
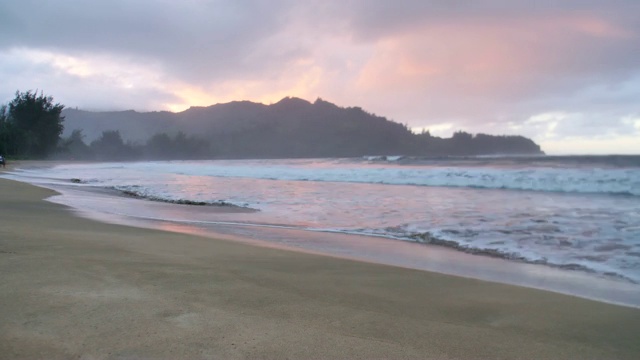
(564, 73)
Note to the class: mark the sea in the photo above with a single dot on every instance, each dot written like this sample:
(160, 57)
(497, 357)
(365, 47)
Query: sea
(570, 217)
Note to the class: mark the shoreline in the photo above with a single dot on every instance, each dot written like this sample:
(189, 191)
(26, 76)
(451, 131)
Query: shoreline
(407, 255)
(113, 206)
(365, 248)
(74, 287)
(358, 247)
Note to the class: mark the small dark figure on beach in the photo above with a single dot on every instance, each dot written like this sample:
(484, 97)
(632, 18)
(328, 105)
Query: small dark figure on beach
(2, 162)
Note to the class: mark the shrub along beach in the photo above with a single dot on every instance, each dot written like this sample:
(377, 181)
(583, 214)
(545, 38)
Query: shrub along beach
(73, 287)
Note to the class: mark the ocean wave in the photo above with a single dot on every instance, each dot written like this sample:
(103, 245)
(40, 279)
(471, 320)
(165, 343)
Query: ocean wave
(430, 238)
(557, 161)
(612, 181)
(556, 177)
(620, 182)
(388, 158)
(591, 233)
(138, 192)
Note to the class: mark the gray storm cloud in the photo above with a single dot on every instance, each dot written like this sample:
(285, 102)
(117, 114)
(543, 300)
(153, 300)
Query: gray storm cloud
(420, 62)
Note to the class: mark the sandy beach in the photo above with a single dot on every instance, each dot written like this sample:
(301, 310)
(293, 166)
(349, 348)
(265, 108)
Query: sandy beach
(77, 288)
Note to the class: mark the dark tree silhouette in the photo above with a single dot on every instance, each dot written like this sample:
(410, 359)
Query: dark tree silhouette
(7, 133)
(110, 146)
(74, 147)
(31, 125)
(159, 146)
(164, 147)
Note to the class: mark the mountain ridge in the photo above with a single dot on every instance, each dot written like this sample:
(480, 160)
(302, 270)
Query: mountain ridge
(291, 127)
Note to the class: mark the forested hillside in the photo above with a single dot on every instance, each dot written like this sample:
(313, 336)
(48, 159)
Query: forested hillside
(291, 127)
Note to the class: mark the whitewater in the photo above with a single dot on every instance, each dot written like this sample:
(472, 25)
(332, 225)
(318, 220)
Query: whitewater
(574, 213)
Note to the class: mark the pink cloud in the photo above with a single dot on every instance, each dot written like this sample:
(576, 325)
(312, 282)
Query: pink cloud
(494, 60)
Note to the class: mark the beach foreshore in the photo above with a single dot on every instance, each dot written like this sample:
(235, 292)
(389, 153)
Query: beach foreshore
(72, 287)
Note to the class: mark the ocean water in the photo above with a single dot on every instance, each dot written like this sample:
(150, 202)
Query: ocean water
(575, 213)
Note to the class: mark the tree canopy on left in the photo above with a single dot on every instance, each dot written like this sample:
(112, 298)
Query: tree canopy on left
(30, 125)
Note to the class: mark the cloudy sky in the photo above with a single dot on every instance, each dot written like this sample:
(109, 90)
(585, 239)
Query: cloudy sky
(565, 73)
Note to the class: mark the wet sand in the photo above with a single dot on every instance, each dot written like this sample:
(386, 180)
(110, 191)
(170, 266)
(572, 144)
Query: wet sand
(77, 288)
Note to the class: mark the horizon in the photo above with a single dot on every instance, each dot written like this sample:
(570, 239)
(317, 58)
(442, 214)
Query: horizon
(564, 75)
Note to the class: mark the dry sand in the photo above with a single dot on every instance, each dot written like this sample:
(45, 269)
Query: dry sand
(76, 288)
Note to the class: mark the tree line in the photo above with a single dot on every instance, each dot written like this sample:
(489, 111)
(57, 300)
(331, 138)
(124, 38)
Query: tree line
(31, 126)
(32, 123)
(110, 146)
